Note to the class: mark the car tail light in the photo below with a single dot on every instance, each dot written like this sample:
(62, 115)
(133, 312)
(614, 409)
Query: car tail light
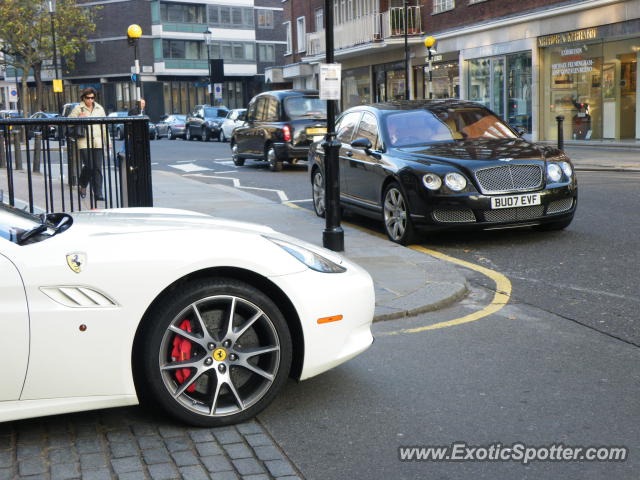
(286, 133)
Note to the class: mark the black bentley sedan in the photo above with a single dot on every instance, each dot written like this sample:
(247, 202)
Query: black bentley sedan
(279, 127)
(445, 164)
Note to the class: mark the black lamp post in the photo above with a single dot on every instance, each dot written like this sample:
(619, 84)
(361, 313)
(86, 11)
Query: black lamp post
(208, 36)
(406, 50)
(52, 11)
(430, 42)
(333, 235)
(134, 32)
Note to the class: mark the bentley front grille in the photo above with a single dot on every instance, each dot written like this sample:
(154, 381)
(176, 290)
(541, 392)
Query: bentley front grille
(509, 178)
(558, 206)
(514, 214)
(454, 216)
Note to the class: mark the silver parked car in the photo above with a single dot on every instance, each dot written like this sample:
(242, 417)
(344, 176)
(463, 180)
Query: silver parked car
(234, 119)
(171, 126)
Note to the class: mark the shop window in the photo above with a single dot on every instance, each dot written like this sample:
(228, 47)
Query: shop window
(356, 88)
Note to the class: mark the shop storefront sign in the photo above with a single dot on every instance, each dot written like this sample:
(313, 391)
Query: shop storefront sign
(568, 37)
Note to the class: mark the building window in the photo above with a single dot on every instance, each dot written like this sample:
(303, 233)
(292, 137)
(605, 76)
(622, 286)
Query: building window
(319, 18)
(266, 53)
(234, 52)
(90, 53)
(287, 27)
(186, 49)
(182, 13)
(440, 6)
(265, 18)
(224, 16)
(301, 34)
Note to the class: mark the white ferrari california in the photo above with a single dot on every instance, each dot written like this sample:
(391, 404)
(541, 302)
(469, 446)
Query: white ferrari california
(203, 317)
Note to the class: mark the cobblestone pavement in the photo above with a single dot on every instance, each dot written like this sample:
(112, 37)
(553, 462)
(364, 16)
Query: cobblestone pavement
(130, 444)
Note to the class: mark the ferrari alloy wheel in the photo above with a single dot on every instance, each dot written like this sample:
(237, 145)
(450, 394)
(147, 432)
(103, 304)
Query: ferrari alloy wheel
(215, 354)
(395, 215)
(317, 185)
(238, 161)
(275, 165)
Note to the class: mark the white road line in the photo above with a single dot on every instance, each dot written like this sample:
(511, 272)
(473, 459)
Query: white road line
(191, 167)
(228, 171)
(236, 183)
(301, 201)
(223, 158)
(224, 162)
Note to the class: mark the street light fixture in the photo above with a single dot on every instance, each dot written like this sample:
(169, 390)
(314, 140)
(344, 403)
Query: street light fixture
(134, 32)
(51, 4)
(208, 37)
(430, 42)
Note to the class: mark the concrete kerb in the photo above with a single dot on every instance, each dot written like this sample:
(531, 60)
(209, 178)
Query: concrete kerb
(407, 282)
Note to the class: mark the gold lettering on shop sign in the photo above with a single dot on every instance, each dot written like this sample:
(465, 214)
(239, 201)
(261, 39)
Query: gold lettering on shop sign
(568, 37)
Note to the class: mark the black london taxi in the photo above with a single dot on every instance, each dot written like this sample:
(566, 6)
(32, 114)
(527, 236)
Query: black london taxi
(279, 127)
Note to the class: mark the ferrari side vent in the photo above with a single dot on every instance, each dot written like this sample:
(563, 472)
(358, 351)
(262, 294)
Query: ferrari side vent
(78, 297)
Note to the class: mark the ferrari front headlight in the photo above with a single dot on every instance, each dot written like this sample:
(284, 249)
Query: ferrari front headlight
(455, 181)
(311, 259)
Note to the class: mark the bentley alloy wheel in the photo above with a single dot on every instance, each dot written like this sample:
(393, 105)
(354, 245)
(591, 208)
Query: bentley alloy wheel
(318, 193)
(221, 357)
(395, 214)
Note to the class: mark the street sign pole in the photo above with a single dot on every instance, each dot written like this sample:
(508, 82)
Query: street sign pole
(333, 235)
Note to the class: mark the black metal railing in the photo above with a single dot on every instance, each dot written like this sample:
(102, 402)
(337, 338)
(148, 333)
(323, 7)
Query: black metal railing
(71, 164)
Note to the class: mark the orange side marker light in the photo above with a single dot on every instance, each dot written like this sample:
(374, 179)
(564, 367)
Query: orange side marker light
(334, 318)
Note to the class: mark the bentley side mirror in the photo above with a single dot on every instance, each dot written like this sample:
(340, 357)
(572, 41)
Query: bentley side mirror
(362, 143)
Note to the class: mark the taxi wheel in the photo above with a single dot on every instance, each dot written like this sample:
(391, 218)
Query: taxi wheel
(270, 156)
(216, 352)
(238, 161)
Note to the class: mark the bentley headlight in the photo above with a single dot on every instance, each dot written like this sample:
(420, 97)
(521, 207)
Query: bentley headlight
(566, 168)
(311, 259)
(554, 172)
(455, 181)
(432, 181)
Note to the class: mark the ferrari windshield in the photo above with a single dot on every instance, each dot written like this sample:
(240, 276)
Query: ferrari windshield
(415, 127)
(14, 222)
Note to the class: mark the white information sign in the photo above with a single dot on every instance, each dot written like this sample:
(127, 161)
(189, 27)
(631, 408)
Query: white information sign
(330, 76)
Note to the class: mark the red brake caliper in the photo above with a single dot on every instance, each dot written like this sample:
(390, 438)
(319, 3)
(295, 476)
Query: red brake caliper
(181, 352)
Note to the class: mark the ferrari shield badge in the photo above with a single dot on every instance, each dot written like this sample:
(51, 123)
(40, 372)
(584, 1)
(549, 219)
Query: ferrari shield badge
(76, 261)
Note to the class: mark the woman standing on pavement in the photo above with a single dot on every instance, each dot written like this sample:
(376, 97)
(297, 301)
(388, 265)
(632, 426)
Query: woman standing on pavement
(90, 145)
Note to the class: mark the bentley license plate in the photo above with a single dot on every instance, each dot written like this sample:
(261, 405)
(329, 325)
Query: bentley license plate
(316, 131)
(512, 201)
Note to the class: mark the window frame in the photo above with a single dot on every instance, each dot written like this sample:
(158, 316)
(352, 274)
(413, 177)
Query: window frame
(301, 39)
(287, 27)
(268, 23)
(441, 6)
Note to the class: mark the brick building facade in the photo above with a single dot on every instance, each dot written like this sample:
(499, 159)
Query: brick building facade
(528, 61)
